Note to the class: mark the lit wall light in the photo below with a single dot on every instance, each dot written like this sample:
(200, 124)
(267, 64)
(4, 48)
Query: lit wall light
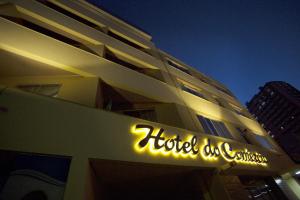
(297, 172)
(278, 180)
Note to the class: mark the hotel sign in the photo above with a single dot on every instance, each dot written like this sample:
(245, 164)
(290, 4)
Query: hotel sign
(154, 141)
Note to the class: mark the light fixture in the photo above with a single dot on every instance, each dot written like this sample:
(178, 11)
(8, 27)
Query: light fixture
(278, 180)
(297, 172)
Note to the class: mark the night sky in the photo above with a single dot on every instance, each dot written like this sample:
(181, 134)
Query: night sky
(241, 43)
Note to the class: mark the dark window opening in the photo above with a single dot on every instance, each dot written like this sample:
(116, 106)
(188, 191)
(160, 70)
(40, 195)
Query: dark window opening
(220, 103)
(178, 67)
(154, 73)
(223, 90)
(211, 83)
(35, 195)
(142, 114)
(49, 33)
(112, 34)
(126, 180)
(127, 103)
(202, 79)
(113, 100)
(192, 91)
(243, 133)
(50, 90)
(70, 14)
(238, 112)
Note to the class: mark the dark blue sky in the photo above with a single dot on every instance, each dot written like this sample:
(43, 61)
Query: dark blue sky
(241, 43)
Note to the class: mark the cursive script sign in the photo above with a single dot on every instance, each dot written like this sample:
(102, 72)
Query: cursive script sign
(155, 141)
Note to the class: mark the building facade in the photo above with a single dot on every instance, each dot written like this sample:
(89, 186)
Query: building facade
(277, 107)
(90, 105)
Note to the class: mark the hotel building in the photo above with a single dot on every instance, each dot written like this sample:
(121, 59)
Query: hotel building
(91, 109)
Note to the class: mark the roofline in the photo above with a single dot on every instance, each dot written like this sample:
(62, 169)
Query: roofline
(146, 35)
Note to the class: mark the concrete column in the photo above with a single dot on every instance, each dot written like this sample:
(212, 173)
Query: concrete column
(76, 187)
(200, 185)
(290, 186)
(217, 188)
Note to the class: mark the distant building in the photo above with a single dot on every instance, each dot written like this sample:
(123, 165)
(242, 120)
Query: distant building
(277, 108)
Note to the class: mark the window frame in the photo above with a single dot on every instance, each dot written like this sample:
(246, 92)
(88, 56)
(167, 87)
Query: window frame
(214, 127)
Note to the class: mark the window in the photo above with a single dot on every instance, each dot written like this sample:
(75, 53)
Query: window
(178, 67)
(292, 117)
(192, 91)
(223, 90)
(202, 79)
(238, 110)
(243, 134)
(263, 141)
(49, 33)
(32, 176)
(219, 102)
(212, 83)
(154, 73)
(118, 37)
(70, 14)
(213, 127)
(50, 90)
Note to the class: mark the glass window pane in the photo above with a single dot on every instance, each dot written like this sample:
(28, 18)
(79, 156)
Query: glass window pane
(214, 127)
(50, 90)
(263, 141)
(32, 176)
(225, 131)
(218, 128)
(204, 124)
(192, 91)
